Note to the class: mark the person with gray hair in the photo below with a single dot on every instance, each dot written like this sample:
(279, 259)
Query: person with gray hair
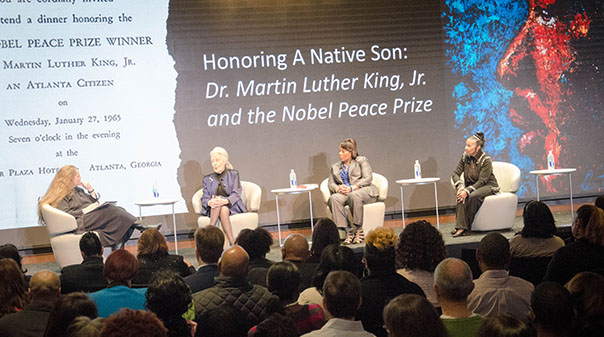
(83, 326)
(452, 285)
(45, 289)
(222, 192)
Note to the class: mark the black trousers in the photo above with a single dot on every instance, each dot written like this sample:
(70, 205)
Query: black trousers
(465, 212)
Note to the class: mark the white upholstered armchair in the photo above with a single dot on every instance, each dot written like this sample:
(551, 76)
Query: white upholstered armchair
(61, 228)
(373, 214)
(250, 194)
(498, 211)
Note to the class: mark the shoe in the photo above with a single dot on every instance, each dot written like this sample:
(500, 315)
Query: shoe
(359, 237)
(461, 232)
(142, 227)
(453, 231)
(349, 237)
(155, 226)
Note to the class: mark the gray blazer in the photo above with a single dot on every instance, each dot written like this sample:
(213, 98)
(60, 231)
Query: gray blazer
(359, 174)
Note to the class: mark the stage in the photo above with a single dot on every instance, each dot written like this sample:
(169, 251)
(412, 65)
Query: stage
(456, 247)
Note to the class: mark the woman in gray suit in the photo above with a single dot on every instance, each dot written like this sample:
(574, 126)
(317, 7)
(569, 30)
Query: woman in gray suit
(222, 192)
(350, 184)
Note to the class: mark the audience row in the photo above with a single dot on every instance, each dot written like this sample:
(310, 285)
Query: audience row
(403, 286)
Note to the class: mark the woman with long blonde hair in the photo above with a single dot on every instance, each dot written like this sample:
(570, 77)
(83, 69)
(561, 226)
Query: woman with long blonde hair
(69, 193)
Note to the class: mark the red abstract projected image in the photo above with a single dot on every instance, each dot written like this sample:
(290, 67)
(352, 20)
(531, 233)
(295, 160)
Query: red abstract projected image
(545, 43)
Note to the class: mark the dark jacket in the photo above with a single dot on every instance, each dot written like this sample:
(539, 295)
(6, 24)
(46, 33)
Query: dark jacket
(483, 164)
(254, 302)
(110, 222)
(260, 262)
(86, 277)
(203, 278)
(308, 271)
(377, 290)
(577, 257)
(149, 265)
(232, 186)
(29, 322)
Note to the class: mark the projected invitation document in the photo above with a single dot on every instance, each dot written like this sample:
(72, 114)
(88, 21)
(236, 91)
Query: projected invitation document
(90, 84)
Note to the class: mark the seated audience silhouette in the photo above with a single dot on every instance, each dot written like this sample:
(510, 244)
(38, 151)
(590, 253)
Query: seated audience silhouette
(252, 302)
(552, 310)
(295, 250)
(168, 296)
(87, 276)
(283, 280)
(586, 254)
(324, 234)
(209, 241)
(537, 237)
(504, 325)
(31, 321)
(586, 290)
(153, 256)
(495, 291)
(65, 310)
(13, 288)
(452, 285)
(133, 323)
(419, 250)
(342, 297)
(411, 315)
(120, 268)
(334, 257)
(383, 282)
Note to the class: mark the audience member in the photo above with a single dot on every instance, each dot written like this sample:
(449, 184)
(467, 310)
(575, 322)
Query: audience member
(334, 257)
(120, 268)
(83, 326)
(13, 289)
(411, 315)
(283, 279)
(295, 250)
(87, 276)
(257, 243)
(452, 285)
(168, 296)
(222, 321)
(324, 234)
(581, 220)
(551, 310)
(153, 256)
(31, 321)
(133, 323)
(382, 283)
(252, 302)
(420, 249)
(209, 241)
(586, 254)
(342, 297)
(600, 202)
(10, 251)
(586, 290)
(495, 291)
(537, 237)
(504, 325)
(65, 310)
(276, 325)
